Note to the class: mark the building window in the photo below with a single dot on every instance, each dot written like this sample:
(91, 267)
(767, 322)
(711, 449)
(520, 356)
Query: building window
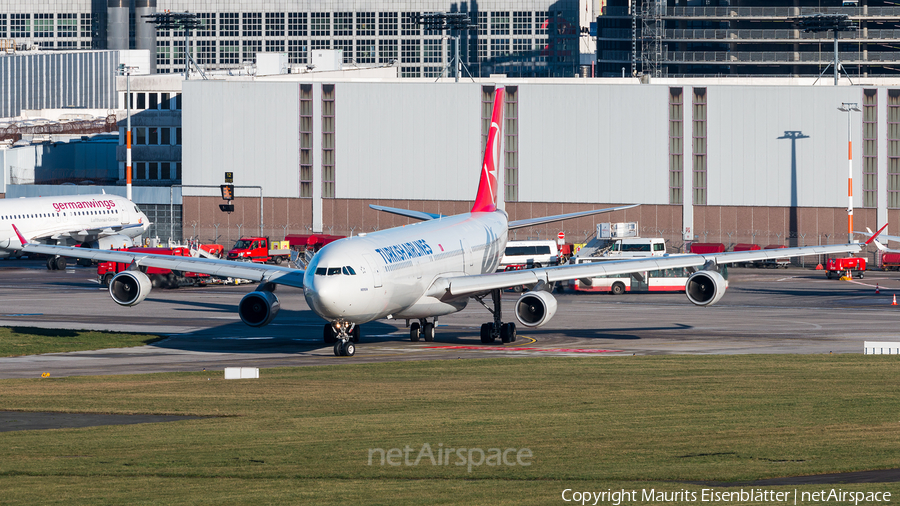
(274, 46)
(499, 47)
(165, 136)
(387, 51)
(429, 71)
(163, 52)
(365, 51)
(511, 144)
(410, 72)
(206, 51)
(228, 24)
(251, 47)
(433, 53)
(482, 23)
(165, 169)
(207, 25)
(411, 51)
(409, 24)
(229, 52)
(320, 44)
(140, 170)
(328, 141)
(487, 103)
(676, 145)
(66, 25)
(870, 148)
(252, 22)
(306, 133)
(522, 23)
(699, 146)
(521, 46)
(274, 24)
(178, 135)
(3, 25)
(153, 137)
(387, 24)
(178, 107)
(499, 23)
(141, 100)
(153, 170)
(43, 25)
(320, 24)
(346, 47)
(365, 23)
(296, 24)
(178, 53)
(540, 23)
(343, 24)
(85, 25)
(19, 25)
(178, 170)
(297, 50)
(893, 152)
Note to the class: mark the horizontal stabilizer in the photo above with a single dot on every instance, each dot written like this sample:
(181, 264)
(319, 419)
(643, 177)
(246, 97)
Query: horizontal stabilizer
(409, 213)
(560, 217)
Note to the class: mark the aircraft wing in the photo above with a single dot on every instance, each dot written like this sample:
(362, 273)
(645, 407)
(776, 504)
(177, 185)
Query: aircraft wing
(215, 267)
(416, 215)
(470, 285)
(560, 217)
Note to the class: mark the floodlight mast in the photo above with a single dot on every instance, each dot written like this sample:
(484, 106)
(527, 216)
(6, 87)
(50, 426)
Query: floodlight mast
(441, 21)
(823, 23)
(849, 108)
(184, 21)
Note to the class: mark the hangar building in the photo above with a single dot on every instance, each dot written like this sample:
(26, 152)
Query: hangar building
(762, 161)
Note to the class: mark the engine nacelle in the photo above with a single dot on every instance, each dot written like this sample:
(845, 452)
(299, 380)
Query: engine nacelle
(534, 309)
(129, 287)
(258, 308)
(705, 288)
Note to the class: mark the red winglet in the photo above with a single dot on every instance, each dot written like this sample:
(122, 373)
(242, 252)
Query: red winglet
(22, 239)
(486, 199)
(876, 233)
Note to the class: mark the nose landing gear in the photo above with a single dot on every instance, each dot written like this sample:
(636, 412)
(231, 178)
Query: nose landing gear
(343, 335)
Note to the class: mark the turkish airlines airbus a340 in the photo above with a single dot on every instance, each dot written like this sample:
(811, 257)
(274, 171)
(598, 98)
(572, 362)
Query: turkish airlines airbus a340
(422, 271)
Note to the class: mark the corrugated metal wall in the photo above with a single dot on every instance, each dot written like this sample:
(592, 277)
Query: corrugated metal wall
(56, 80)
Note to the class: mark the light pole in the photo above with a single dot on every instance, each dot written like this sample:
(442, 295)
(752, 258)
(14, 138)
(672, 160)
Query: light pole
(849, 108)
(126, 71)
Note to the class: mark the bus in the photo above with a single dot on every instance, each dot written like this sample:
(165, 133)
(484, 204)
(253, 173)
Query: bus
(664, 280)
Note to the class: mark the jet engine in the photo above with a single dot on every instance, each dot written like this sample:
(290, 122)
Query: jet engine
(258, 308)
(129, 287)
(705, 288)
(534, 309)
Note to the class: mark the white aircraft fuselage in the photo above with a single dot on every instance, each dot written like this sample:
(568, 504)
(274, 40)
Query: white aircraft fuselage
(71, 220)
(394, 268)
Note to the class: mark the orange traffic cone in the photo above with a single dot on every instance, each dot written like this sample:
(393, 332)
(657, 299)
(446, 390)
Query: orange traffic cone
(877, 291)
(895, 300)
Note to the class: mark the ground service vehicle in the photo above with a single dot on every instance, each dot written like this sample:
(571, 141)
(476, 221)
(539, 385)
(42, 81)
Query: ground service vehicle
(745, 247)
(774, 262)
(663, 280)
(835, 267)
(160, 278)
(890, 261)
(535, 254)
(260, 250)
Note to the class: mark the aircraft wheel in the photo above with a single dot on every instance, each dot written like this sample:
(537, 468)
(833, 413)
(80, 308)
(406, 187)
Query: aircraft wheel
(337, 349)
(328, 334)
(356, 333)
(51, 264)
(512, 332)
(60, 263)
(486, 333)
(349, 349)
(428, 331)
(414, 332)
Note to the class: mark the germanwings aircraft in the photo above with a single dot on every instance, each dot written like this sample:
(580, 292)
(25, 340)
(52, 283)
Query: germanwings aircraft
(95, 221)
(422, 271)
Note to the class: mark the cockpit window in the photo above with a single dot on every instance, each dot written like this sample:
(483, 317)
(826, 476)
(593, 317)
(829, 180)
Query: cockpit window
(334, 270)
(349, 271)
(320, 271)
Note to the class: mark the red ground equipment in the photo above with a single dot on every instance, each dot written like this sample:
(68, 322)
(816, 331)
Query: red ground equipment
(890, 261)
(835, 267)
(164, 278)
(745, 247)
(702, 248)
(260, 250)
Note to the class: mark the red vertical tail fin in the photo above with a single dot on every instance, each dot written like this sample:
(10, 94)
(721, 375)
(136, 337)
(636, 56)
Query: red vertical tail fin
(486, 200)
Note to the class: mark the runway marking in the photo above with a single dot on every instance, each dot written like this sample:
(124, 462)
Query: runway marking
(25, 314)
(552, 350)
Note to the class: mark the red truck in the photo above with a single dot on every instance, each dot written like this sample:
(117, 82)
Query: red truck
(890, 261)
(260, 250)
(159, 277)
(834, 267)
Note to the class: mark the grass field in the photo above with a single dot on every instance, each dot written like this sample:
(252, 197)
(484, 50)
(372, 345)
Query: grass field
(304, 435)
(15, 341)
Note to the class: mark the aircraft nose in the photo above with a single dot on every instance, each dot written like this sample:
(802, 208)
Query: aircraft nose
(325, 299)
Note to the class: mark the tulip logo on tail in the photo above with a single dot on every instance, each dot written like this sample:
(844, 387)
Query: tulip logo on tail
(486, 200)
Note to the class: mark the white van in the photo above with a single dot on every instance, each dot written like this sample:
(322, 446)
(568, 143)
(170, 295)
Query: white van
(530, 253)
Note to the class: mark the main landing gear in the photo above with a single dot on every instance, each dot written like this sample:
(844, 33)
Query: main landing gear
(56, 263)
(422, 328)
(490, 332)
(342, 335)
